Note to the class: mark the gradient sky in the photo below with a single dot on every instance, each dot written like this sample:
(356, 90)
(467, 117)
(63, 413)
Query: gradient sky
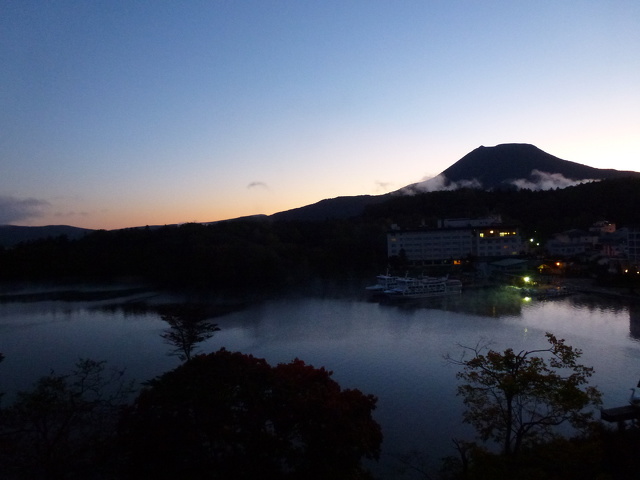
(127, 113)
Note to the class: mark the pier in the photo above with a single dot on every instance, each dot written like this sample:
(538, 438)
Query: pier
(621, 415)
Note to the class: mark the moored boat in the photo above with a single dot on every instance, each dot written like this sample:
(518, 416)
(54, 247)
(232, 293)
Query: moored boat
(383, 282)
(424, 287)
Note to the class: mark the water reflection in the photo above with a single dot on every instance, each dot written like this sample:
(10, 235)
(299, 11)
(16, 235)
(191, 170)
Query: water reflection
(599, 304)
(634, 320)
(392, 351)
(486, 302)
(189, 325)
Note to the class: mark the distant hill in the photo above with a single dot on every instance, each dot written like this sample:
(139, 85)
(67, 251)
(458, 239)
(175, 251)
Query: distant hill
(339, 207)
(11, 234)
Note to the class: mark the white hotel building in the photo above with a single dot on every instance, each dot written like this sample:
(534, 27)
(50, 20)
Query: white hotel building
(454, 240)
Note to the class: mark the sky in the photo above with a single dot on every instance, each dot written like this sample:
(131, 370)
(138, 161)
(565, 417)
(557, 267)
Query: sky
(118, 114)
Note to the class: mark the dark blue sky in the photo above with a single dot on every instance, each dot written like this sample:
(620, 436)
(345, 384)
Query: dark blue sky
(125, 113)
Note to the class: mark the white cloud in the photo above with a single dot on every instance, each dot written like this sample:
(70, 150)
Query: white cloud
(547, 181)
(537, 180)
(441, 183)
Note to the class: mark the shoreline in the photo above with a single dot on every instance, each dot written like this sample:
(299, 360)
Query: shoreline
(586, 285)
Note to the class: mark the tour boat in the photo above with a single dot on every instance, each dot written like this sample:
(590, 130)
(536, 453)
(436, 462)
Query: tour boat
(383, 282)
(424, 287)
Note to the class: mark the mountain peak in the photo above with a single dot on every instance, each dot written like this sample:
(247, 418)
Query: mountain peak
(519, 165)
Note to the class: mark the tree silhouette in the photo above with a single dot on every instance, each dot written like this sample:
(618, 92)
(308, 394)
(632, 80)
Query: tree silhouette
(63, 427)
(188, 326)
(516, 399)
(232, 416)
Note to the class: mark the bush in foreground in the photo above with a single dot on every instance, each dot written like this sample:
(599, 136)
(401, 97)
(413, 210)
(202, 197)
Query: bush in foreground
(228, 415)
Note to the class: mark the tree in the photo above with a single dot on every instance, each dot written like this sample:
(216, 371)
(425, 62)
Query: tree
(232, 416)
(516, 399)
(188, 326)
(64, 425)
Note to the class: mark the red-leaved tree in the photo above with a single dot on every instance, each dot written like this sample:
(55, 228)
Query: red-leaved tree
(228, 415)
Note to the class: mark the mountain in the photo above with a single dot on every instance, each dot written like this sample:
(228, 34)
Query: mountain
(12, 234)
(511, 165)
(516, 165)
(502, 164)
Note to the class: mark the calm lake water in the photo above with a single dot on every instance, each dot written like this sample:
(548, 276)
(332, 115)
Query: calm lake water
(392, 351)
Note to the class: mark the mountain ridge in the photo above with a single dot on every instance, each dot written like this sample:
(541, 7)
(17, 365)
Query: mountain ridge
(510, 165)
(13, 234)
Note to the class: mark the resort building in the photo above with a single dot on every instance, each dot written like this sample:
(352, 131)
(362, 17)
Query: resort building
(454, 240)
(602, 239)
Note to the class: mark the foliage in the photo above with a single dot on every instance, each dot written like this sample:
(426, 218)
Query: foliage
(545, 212)
(517, 399)
(188, 326)
(559, 459)
(232, 416)
(239, 255)
(63, 426)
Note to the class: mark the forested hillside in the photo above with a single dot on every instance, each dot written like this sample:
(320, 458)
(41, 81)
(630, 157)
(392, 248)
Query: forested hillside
(250, 253)
(265, 253)
(545, 212)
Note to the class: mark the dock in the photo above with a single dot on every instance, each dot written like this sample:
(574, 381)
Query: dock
(621, 415)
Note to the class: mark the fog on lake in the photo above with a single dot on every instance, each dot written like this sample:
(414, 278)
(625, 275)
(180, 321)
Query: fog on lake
(392, 351)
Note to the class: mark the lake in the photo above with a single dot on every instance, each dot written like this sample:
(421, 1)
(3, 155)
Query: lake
(392, 351)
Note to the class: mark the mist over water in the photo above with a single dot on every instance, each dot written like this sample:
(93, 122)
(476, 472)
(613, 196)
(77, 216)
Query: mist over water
(392, 351)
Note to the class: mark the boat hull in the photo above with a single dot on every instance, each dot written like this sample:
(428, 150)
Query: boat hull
(424, 288)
